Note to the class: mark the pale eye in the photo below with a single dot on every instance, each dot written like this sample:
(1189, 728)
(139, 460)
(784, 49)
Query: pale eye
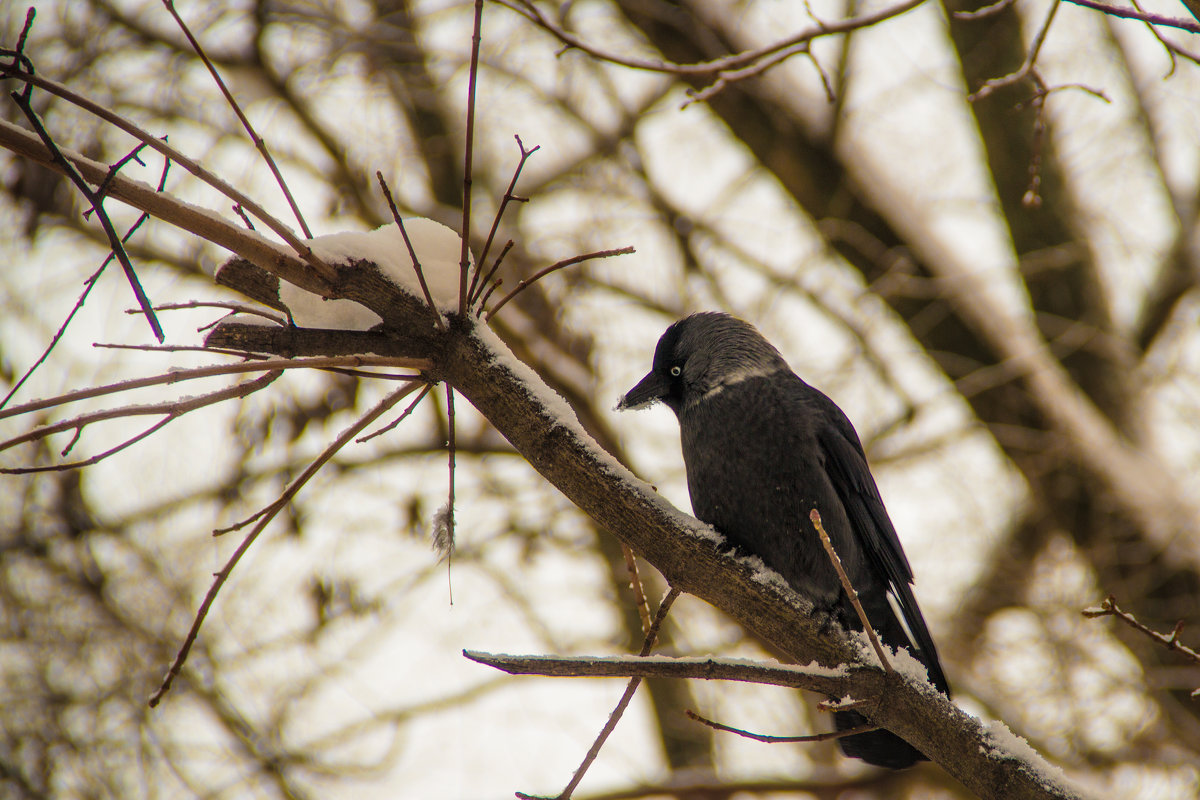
(676, 371)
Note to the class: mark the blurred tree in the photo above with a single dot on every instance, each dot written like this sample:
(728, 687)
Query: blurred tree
(974, 227)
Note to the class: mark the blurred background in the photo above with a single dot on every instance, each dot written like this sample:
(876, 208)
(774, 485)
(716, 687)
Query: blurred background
(999, 287)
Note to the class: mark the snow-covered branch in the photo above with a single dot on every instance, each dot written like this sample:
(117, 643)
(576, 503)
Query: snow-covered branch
(544, 429)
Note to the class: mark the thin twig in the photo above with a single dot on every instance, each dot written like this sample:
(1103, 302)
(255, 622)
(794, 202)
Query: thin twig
(726, 77)
(238, 308)
(825, 83)
(468, 159)
(114, 168)
(981, 13)
(450, 451)
(635, 584)
(289, 236)
(184, 348)
(416, 263)
(403, 414)
(19, 54)
(95, 199)
(241, 212)
(204, 223)
(221, 577)
(762, 737)
(486, 294)
(815, 516)
(619, 710)
(89, 284)
(1191, 26)
(621, 251)
(1171, 48)
(476, 286)
(1017, 75)
(1108, 608)
(532, 12)
(273, 508)
(318, 362)
(254, 137)
(171, 410)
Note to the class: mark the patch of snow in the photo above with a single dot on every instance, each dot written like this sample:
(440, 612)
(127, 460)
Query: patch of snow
(1010, 745)
(438, 249)
(559, 409)
(901, 659)
(255, 319)
(313, 311)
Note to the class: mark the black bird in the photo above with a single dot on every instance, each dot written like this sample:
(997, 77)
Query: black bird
(762, 450)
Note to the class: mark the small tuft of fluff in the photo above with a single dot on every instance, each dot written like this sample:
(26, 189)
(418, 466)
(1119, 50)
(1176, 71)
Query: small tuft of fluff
(443, 532)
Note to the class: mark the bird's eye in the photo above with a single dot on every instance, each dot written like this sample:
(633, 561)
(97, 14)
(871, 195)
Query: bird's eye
(676, 371)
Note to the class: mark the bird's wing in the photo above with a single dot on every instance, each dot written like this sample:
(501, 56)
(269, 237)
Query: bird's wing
(847, 467)
(846, 464)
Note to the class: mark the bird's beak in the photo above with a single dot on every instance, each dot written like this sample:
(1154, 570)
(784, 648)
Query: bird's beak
(649, 389)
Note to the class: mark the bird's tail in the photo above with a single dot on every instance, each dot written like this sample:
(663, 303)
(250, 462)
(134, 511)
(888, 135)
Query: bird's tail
(881, 748)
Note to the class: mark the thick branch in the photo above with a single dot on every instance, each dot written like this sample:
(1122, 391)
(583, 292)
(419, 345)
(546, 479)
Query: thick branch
(692, 558)
(835, 681)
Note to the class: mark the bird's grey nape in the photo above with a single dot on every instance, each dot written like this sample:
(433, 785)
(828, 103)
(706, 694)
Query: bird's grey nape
(722, 351)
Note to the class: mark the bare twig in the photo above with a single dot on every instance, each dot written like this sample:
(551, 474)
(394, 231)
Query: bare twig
(241, 212)
(229, 98)
(702, 68)
(303, 250)
(171, 411)
(762, 737)
(234, 307)
(403, 414)
(619, 710)
(726, 70)
(728, 76)
(815, 516)
(181, 348)
(635, 585)
(265, 518)
(1108, 608)
(162, 206)
(469, 159)
(1191, 26)
(89, 284)
(1017, 75)
(320, 362)
(1171, 48)
(19, 54)
(416, 263)
(523, 285)
(95, 199)
(825, 82)
(981, 13)
(486, 294)
(476, 286)
(450, 451)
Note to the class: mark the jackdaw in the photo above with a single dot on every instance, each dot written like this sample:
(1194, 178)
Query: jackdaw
(762, 449)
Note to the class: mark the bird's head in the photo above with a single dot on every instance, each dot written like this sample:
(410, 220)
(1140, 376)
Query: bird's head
(702, 354)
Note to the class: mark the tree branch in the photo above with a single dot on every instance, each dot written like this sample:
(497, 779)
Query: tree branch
(541, 426)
